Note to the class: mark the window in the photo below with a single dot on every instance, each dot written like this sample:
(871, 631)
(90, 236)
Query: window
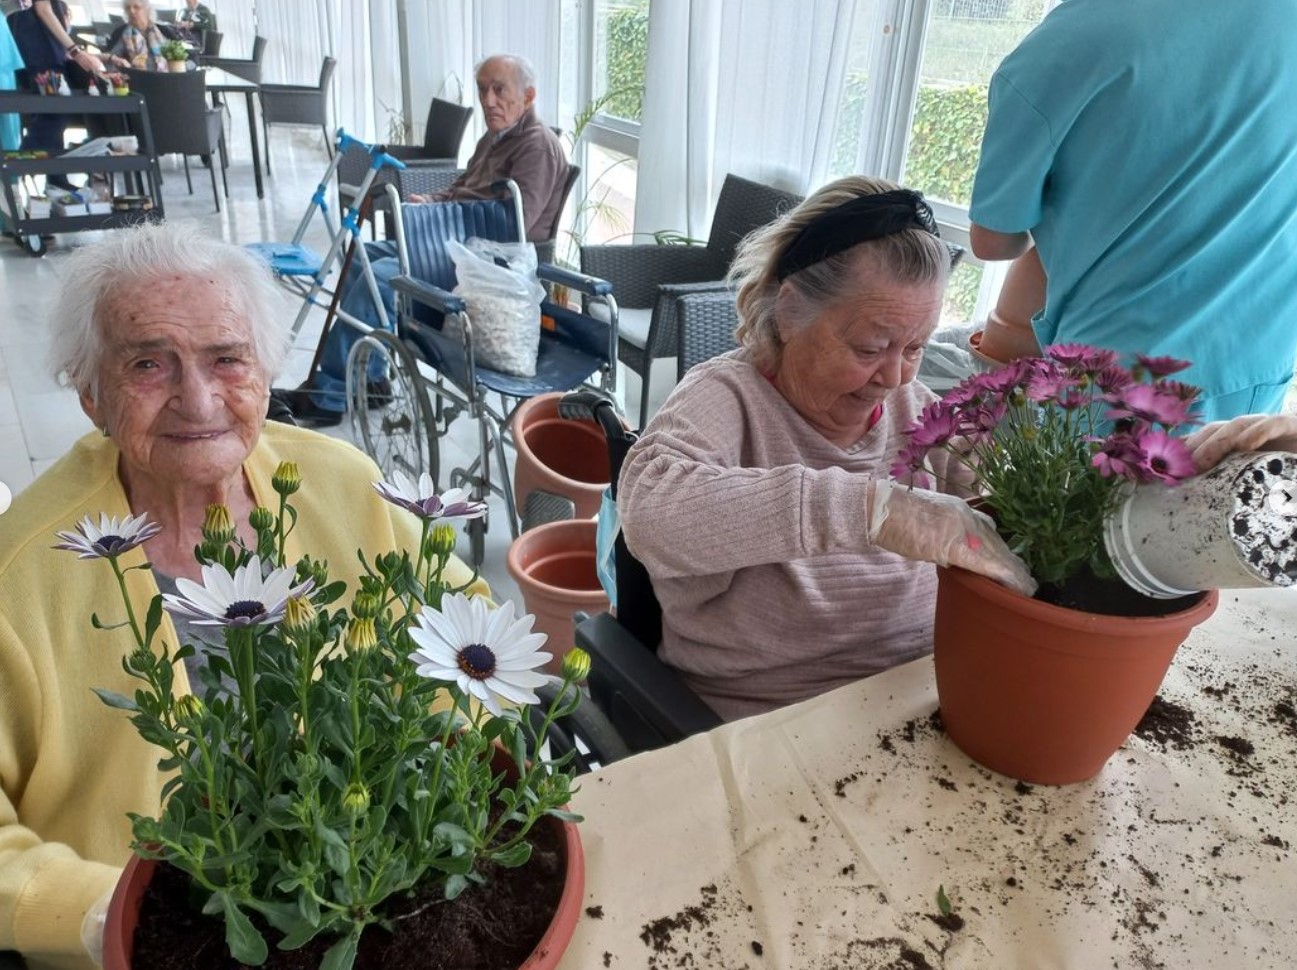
(966, 41)
(606, 122)
(620, 48)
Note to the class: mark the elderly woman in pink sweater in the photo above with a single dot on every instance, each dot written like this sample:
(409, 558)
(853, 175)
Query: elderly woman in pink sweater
(759, 497)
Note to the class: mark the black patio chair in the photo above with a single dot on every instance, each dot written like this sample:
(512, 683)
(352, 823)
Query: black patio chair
(649, 278)
(298, 104)
(182, 121)
(248, 68)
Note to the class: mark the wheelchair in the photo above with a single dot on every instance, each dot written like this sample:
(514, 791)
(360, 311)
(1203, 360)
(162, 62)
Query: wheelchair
(431, 373)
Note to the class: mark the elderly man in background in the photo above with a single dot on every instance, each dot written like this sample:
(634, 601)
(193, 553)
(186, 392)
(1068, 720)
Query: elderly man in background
(517, 145)
(170, 338)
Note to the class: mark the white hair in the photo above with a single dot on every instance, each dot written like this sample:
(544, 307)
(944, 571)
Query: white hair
(131, 258)
(523, 72)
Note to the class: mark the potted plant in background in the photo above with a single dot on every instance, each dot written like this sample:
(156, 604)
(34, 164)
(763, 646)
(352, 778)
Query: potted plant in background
(344, 776)
(1046, 689)
(176, 54)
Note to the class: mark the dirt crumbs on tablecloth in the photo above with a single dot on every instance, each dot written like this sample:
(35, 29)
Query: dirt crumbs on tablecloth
(1168, 724)
(688, 937)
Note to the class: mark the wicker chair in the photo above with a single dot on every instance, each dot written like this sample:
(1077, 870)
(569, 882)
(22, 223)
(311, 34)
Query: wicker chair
(655, 284)
(181, 120)
(298, 104)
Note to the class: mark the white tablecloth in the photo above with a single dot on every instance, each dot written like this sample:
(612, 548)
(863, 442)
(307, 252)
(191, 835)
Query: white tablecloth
(818, 836)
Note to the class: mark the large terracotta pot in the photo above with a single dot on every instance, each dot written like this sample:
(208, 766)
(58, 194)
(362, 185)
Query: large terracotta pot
(124, 910)
(554, 567)
(1042, 693)
(568, 458)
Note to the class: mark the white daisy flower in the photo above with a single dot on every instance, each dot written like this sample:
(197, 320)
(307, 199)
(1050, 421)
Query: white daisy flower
(489, 654)
(422, 500)
(244, 599)
(110, 538)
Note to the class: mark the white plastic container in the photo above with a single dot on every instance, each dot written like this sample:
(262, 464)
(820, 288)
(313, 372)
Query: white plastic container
(1232, 527)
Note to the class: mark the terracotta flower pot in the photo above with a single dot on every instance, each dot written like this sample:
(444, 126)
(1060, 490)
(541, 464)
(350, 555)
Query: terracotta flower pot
(554, 567)
(1042, 693)
(124, 910)
(555, 455)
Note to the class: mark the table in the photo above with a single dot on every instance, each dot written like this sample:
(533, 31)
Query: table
(818, 836)
(220, 81)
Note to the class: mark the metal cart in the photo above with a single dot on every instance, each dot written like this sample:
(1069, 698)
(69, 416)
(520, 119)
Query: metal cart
(29, 233)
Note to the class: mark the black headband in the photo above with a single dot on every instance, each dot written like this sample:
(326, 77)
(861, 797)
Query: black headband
(863, 218)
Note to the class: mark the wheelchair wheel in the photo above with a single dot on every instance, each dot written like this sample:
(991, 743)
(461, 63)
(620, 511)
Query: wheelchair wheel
(393, 422)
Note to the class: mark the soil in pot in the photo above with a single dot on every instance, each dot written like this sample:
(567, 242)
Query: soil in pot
(491, 927)
(1109, 596)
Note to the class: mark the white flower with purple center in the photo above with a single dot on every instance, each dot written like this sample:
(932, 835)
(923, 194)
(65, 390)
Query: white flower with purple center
(486, 652)
(245, 599)
(110, 538)
(422, 499)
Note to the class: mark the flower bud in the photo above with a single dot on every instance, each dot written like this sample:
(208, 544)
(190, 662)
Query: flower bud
(262, 518)
(190, 707)
(140, 661)
(576, 665)
(299, 615)
(286, 479)
(365, 606)
(361, 635)
(441, 541)
(218, 527)
(355, 800)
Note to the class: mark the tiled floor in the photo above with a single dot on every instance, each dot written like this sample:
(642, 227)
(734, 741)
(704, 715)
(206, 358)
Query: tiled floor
(39, 419)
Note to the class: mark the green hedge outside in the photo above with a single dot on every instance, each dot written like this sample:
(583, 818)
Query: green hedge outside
(627, 50)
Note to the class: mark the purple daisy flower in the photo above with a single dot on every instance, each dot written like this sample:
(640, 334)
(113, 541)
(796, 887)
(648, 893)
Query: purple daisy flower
(1161, 366)
(110, 538)
(1165, 458)
(422, 499)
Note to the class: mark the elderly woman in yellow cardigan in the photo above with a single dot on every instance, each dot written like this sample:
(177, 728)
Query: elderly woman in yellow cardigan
(170, 339)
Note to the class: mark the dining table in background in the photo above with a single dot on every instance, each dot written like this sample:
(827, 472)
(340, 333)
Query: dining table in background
(831, 834)
(220, 81)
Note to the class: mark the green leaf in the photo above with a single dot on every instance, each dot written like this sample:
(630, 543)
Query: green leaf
(114, 699)
(99, 624)
(943, 901)
(153, 620)
(341, 955)
(245, 943)
(514, 856)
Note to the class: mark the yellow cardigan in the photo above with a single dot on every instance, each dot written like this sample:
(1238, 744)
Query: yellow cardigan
(71, 767)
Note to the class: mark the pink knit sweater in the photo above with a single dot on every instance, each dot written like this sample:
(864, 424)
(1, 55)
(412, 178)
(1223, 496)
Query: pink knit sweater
(753, 528)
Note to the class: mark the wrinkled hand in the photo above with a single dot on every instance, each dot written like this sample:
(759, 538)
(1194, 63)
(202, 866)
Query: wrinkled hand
(940, 528)
(92, 928)
(416, 198)
(1248, 432)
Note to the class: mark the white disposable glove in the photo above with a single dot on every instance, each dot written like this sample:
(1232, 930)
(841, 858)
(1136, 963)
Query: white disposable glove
(1248, 432)
(935, 527)
(92, 928)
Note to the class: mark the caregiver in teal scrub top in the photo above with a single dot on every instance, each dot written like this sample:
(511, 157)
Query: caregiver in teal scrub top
(1149, 151)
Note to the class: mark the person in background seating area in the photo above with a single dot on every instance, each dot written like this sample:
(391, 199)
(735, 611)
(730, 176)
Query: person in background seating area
(138, 42)
(195, 20)
(517, 145)
(40, 29)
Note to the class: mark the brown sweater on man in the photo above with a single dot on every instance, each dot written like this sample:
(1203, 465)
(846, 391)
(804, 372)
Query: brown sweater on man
(530, 154)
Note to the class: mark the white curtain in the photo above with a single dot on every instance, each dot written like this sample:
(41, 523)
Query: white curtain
(744, 86)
